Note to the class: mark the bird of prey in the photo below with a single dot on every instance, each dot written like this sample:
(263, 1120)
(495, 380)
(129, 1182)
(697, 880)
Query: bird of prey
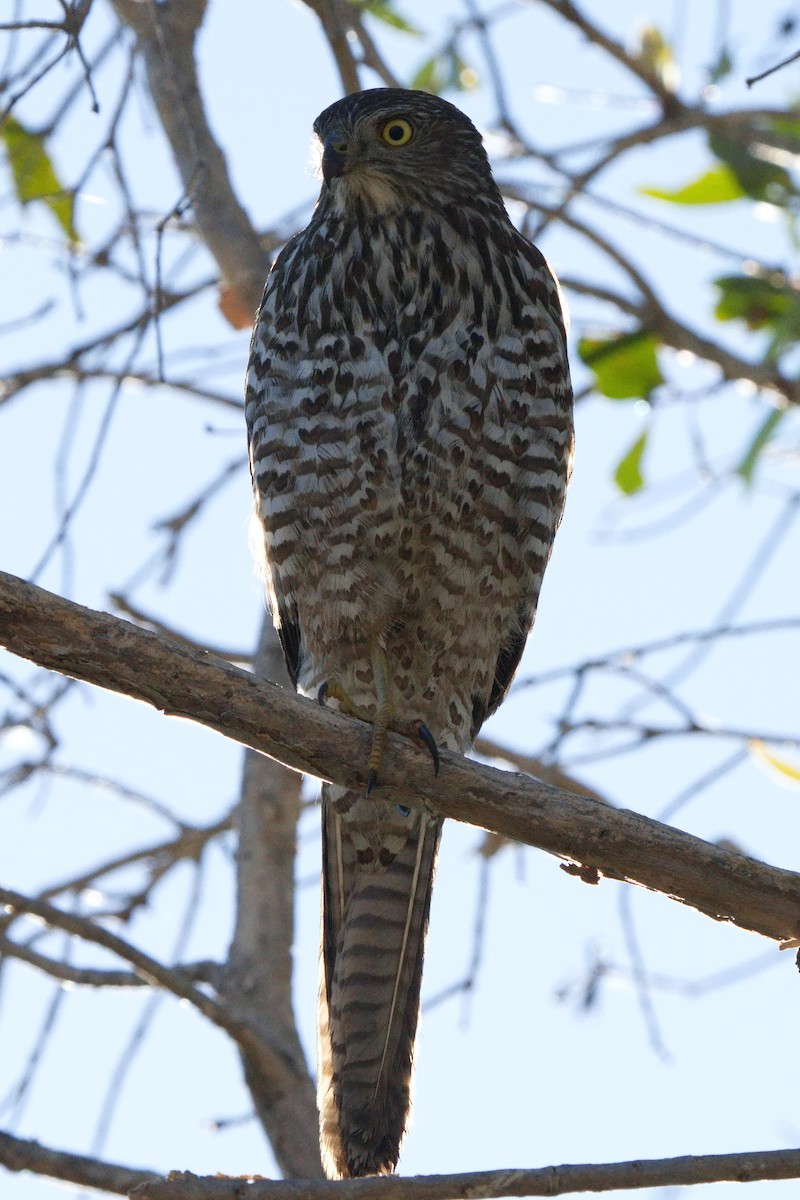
(409, 415)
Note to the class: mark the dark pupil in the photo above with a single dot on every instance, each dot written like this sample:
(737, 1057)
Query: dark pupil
(396, 133)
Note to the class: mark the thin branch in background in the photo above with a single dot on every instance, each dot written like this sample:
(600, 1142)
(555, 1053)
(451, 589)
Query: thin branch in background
(176, 525)
(159, 860)
(81, 10)
(13, 26)
(67, 101)
(223, 1124)
(66, 443)
(14, 1102)
(114, 787)
(728, 764)
(482, 25)
(466, 985)
(663, 645)
(536, 767)
(717, 980)
(636, 65)
(93, 464)
(157, 975)
(131, 214)
(181, 206)
(771, 70)
(16, 324)
(707, 493)
(640, 976)
(748, 580)
(36, 77)
(97, 977)
(21, 1154)
(587, 986)
(127, 1058)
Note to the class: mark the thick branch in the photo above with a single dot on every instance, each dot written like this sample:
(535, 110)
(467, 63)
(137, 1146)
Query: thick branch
(103, 650)
(487, 1185)
(165, 35)
(257, 984)
(20, 1154)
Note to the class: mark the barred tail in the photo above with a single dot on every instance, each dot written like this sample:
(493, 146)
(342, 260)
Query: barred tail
(376, 889)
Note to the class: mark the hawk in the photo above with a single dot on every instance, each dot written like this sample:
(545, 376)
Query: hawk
(409, 416)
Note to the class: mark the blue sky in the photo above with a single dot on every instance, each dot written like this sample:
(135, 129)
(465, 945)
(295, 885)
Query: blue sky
(512, 1075)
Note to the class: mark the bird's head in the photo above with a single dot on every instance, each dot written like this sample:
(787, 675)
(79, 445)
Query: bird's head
(387, 147)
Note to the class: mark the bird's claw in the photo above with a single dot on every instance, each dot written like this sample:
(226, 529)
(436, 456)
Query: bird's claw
(424, 735)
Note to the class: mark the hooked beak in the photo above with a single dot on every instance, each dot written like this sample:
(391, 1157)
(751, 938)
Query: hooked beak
(334, 159)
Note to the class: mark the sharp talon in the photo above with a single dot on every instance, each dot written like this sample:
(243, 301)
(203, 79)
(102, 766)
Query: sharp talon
(403, 809)
(372, 779)
(428, 740)
(322, 693)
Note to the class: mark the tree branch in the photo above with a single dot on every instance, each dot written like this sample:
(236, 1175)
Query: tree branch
(620, 844)
(21, 1154)
(488, 1185)
(270, 1061)
(99, 977)
(165, 35)
(257, 983)
(669, 101)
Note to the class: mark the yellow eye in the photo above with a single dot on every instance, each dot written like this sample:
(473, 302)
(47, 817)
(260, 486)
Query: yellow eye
(397, 132)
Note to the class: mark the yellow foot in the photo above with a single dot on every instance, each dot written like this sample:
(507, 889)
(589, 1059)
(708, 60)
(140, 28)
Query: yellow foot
(384, 721)
(331, 689)
(384, 718)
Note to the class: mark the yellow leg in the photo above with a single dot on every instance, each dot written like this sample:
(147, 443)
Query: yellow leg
(332, 689)
(384, 718)
(383, 714)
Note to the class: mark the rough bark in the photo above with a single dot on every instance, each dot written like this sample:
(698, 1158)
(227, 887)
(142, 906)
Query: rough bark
(258, 979)
(103, 650)
(165, 36)
(489, 1185)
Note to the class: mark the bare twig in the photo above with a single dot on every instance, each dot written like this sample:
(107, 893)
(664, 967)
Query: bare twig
(157, 975)
(771, 70)
(97, 977)
(21, 1154)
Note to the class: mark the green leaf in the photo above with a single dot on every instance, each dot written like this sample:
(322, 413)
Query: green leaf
(762, 302)
(722, 67)
(754, 299)
(445, 71)
(34, 176)
(785, 131)
(716, 186)
(762, 437)
(625, 367)
(429, 77)
(383, 11)
(628, 475)
(760, 178)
